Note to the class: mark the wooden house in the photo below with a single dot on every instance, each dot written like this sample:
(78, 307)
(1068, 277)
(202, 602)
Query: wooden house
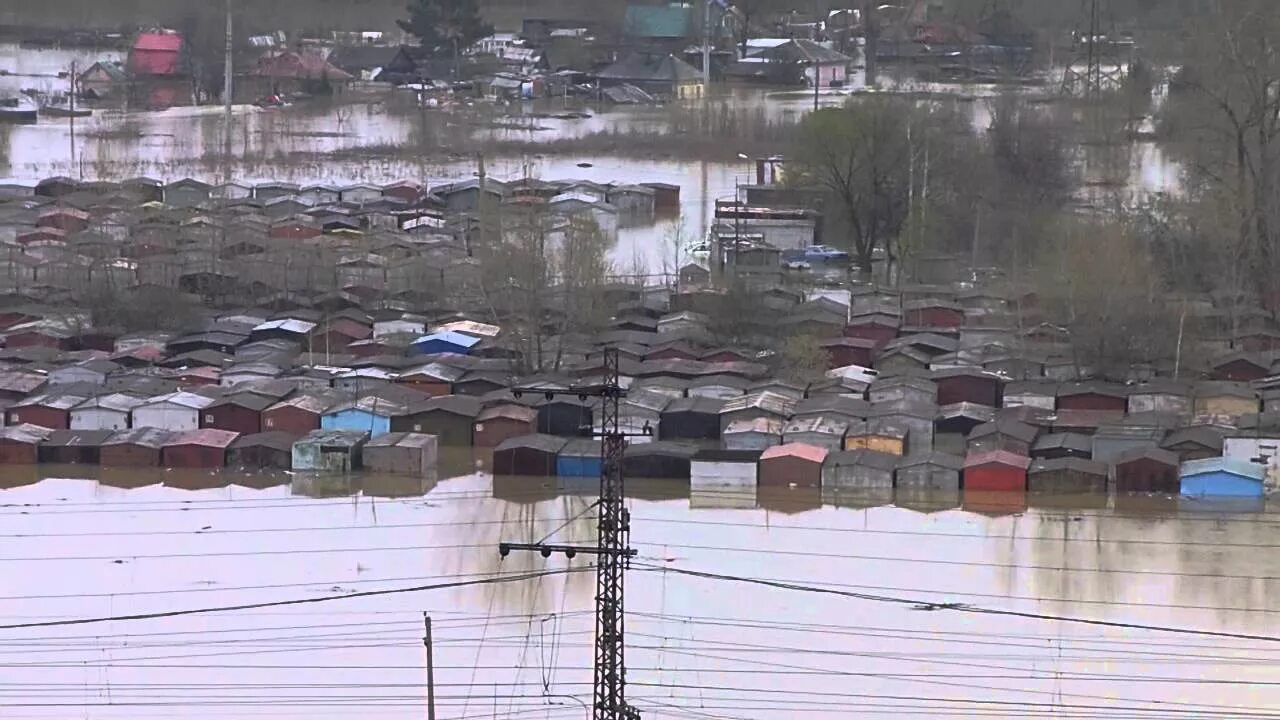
(112, 411)
(1067, 476)
(794, 465)
(262, 451)
(432, 379)
(297, 415)
(954, 423)
(73, 447)
(1055, 446)
(933, 314)
(820, 430)
(929, 472)
(858, 471)
(1147, 470)
(240, 413)
(499, 423)
(877, 435)
(197, 449)
(330, 451)
(1222, 477)
(450, 418)
(1224, 399)
(19, 444)
(997, 470)
(915, 422)
(136, 447)
(691, 418)
(759, 404)
(176, 412)
(755, 434)
(664, 459)
(725, 471)
(1093, 396)
(843, 351)
(1199, 442)
(401, 453)
(902, 391)
(1002, 435)
(531, 455)
(1240, 366)
(580, 458)
(1160, 396)
(879, 328)
(566, 415)
(1112, 440)
(51, 410)
(967, 385)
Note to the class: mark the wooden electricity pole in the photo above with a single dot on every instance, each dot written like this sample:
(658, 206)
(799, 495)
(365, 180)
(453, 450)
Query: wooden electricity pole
(431, 669)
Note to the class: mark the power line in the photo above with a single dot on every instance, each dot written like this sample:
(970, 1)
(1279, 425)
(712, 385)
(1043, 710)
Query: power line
(520, 577)
(959, 607)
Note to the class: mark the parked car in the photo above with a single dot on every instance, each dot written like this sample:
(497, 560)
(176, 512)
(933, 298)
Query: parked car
(824, 253)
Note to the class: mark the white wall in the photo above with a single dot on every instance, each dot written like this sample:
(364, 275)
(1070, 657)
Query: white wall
(167, 417)
(734, 476)
(1250, 449)
(99, 419)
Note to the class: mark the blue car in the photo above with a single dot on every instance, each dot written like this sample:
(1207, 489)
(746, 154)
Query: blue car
(824, 253)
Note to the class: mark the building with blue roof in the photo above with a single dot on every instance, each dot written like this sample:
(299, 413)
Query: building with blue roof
(445, 341)
(1222, 477)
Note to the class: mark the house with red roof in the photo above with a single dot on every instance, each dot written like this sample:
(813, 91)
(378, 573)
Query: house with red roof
(157, 53)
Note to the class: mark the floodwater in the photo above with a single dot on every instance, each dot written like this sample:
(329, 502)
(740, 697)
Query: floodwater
(314, 143)
(139, 543)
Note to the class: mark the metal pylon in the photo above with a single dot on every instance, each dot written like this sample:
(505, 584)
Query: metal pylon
(612, 550)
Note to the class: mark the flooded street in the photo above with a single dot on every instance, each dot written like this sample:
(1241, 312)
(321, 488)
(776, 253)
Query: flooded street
(79, 548)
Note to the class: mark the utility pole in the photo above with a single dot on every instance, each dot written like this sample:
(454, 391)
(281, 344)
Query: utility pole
(612, 549)
(706, 52)
(226, 97)
(431, 668)
(870, 41)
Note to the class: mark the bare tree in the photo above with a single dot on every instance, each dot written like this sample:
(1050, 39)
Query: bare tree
(803, 360)
(1225, 108)
(1099, 282)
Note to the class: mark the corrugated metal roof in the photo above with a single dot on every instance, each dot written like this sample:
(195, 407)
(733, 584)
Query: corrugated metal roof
(803, 451)
(1253, 471)
(765, 400)
(275, 440)
(997, 457)
(863, 458)
(542, 443)
(402, 439)
(117, 402)
(1071, 464)
(334, 438)
(206, 437)
(182, 398)
(766, 426)
(25, 433)
(154, 438)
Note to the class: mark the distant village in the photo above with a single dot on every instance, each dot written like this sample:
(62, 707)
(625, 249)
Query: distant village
(656, 55)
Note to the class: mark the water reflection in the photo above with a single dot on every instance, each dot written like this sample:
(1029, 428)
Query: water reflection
(1148, 562)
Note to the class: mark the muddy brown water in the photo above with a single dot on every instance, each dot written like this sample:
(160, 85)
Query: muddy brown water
(84, 543)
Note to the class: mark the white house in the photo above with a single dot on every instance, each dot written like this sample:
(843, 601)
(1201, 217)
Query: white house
(105, 412)
(90, 371)
(724, 478)
(400, 326)
(1259, 448)
(176, 412)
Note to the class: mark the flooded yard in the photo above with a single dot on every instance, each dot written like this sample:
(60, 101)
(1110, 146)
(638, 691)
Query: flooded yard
(83, 548)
